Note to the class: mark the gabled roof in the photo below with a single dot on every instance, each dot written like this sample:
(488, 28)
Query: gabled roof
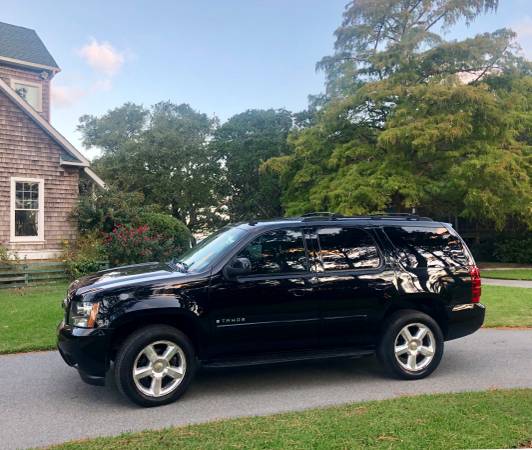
(69, 154)
(23, 46)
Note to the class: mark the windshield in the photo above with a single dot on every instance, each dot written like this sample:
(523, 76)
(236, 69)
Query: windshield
(206, 252)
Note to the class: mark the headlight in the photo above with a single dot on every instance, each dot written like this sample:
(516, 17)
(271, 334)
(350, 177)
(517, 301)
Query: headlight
(83, 314)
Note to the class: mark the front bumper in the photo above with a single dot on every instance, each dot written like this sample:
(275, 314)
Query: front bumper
(464, 319)
(85, 349)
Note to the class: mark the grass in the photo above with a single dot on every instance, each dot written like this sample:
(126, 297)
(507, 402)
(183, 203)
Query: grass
(507, 306)
(508, 274)
(29, 316)
(492, 419)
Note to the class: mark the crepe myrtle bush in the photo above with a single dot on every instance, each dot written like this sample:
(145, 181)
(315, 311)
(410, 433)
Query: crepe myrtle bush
(128, 244)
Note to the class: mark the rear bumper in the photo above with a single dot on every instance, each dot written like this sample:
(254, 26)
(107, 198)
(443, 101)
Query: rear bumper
(85, 349)
(464, 319)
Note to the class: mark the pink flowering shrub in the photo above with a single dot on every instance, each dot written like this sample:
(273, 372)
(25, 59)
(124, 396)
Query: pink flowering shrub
(129, 245)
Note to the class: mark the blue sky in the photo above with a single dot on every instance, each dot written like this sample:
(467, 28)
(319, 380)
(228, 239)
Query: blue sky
(221, 56)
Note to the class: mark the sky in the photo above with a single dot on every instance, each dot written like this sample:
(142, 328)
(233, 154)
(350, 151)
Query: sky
(220, 56)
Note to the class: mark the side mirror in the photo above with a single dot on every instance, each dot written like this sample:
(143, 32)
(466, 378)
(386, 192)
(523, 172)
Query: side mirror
(238, 266)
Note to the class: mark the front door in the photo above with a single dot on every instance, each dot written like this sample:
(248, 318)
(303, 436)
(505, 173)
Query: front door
(351, 283)
(271, 308)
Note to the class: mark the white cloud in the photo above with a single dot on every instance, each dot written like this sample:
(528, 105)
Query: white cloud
(104, 85)
(523, 28)
(102, 57)
(65, 96)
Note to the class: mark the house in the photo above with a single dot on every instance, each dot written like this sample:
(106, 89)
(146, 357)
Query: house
(40, 171)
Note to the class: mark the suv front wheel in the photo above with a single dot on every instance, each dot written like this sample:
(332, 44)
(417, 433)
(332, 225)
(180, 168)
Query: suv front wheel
(411, 346)
(155, 365)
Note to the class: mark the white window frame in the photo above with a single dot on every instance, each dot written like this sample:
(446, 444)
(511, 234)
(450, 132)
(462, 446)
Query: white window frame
(40, 215)
(14, 81)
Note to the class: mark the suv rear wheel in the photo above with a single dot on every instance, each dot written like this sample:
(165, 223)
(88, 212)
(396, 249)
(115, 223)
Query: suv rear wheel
(155, 365)
(411, 346)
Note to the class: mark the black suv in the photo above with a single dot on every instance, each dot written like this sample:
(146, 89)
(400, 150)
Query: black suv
(316, 286)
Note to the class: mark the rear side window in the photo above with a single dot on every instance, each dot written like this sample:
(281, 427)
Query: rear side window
(345, 249)
(420, 247)
(277, 252)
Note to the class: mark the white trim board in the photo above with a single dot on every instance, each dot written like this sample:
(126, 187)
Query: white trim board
(19, 62)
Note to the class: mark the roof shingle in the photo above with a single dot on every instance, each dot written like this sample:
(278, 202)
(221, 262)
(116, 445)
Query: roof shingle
(25, 45)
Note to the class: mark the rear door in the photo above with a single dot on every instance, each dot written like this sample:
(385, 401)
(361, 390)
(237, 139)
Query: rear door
(272, 308)
(352, 284)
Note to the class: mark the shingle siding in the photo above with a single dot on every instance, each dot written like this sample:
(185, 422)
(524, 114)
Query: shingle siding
(8, 73)
(27, 151)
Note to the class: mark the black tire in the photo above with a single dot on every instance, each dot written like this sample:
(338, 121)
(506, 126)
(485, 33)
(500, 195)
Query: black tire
(131, 348)
(386, 349)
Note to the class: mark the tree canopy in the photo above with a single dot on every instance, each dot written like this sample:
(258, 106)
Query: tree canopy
(163, 153)
(243, 143)
(413, 121)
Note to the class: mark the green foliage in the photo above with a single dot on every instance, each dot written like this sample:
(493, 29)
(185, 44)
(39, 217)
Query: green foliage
(103, 218)
(517, 249)
(105, 209)
(244, 142)
(112, 130)
(382, 38)
(168, 228)
(7, 257)
(400, 130)
(4, 255)
(131, 245)
(162, 153)
(85, 255)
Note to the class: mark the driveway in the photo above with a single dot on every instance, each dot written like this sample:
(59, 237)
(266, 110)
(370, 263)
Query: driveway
(42, 401)
(508, 283)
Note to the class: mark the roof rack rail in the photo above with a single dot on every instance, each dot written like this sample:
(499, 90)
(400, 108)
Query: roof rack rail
(402, 216)
(320, 215)
(325, 215)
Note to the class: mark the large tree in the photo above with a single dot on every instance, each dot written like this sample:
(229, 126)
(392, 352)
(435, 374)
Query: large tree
(401, 129)
(244, 142)
(163, 153)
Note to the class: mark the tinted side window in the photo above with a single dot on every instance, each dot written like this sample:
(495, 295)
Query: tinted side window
(427, 247)
(346, 249)
(279, 251)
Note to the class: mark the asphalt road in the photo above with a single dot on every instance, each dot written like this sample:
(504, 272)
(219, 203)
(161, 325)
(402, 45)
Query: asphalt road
(508, 283)
(42, 401)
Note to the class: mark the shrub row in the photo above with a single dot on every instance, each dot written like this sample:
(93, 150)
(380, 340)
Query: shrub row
(117, 227)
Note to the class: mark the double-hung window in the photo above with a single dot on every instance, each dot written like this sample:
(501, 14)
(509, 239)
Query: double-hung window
(27, 209)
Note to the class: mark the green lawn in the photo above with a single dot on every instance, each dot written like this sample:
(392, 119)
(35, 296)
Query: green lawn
(28, 317)
(508, 274)
(492, 419)
(507, 306)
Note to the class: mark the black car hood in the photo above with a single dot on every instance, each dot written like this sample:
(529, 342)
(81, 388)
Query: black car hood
(125, 275)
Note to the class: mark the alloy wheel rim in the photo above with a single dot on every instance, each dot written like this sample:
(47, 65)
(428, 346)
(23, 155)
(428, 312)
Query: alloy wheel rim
(159, 368)
(415, 347)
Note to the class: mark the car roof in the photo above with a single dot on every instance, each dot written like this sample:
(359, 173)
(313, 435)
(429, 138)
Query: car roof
(328, 219)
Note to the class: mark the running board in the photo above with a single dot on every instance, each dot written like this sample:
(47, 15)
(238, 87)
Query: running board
(279, 358)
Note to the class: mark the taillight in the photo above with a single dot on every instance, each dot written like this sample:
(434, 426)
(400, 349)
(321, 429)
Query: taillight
(476, 288)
